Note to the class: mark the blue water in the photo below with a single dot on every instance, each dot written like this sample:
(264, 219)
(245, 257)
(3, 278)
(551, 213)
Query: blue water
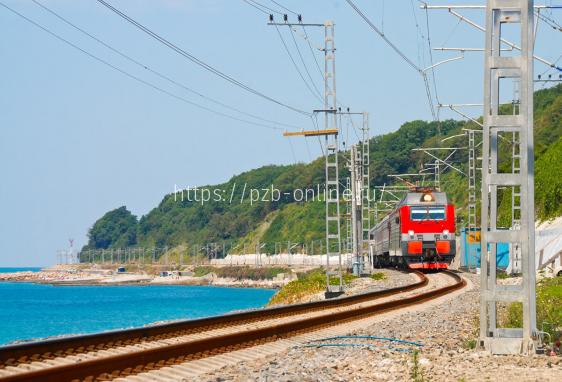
(19, 269)
(32, 311)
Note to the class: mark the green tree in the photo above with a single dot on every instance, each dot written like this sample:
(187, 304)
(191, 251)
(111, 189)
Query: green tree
(115, 229)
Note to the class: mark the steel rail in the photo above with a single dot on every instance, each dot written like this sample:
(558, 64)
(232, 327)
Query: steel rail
(135, 362)
(13, 355)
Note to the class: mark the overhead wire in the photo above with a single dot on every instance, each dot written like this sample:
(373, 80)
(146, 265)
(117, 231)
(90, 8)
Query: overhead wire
(304, 65)
(399, 52)
(196, 60)
(419, 37)
(383, 36)
(312, 53)
(292, 150)
(430, 48)
(282, 6)
(451, 33)
(255, 6)
(549, 21)
(316, 93)
(313, 90)
(155, 72)
(295, 64)
(382, 16)
(422, 63)
(129, 75)
(252, 2)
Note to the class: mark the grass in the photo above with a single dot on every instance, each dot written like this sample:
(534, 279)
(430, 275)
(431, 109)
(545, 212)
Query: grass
(470, 344)
(308, 283)
(417, 372)
(240, 273)
(502, 275)
(378, 276)
(549, 309)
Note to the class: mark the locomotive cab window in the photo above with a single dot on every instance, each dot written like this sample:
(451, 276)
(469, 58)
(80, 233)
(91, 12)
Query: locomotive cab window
(427, 213)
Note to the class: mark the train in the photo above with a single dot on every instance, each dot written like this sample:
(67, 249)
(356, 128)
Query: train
(419, 233)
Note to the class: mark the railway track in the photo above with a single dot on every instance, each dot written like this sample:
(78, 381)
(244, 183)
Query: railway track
(111, 355)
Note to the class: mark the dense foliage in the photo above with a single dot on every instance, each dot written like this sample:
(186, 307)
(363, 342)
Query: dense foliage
(115, 229)
(548, 189)
(239, 220)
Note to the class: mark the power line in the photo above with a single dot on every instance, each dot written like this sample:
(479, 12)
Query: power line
(159, 74)
(549, 21)
(295, 65)
(431, 60)
(285, 8)
(256, 6)
(383, 36)
(132, 76)
(316, 94)
(196, 60)
(312, 52)
(400, 53)
(304, 64)
(264, 6)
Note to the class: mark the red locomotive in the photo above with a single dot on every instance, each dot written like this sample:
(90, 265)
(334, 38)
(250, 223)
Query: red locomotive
(419, 233)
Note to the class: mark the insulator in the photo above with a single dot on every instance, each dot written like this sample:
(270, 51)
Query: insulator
(540, 76)
(270, 17)
(299, 17)
(285, 18)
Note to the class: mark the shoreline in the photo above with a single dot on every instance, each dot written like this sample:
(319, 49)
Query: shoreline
(72, 276)
(147, 284)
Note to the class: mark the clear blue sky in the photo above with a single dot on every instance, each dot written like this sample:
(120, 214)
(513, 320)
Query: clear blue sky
(78, 138)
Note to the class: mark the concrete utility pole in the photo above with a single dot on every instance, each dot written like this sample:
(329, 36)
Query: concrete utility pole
(499, 70)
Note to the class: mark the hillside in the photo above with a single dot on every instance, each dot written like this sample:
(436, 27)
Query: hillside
(175, 222)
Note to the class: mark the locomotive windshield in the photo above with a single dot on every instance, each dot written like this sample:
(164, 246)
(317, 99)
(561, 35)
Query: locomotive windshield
(427, 213)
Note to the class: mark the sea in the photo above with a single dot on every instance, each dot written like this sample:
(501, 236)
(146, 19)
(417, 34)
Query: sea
(34, 311)
(20, 269)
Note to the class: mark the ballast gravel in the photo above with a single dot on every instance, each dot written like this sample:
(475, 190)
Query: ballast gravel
(445, 330)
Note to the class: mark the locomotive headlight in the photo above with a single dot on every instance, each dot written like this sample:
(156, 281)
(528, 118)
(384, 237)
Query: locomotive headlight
(427, 198)
(445, 233)
(411, 234)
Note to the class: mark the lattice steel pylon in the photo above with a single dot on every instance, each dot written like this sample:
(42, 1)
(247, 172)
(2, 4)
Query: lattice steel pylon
(333, 234)
(348, 243)
(437, 179)
(331, 150)
(365, 186)
(471, 255)
(499, 69)
(515, 249)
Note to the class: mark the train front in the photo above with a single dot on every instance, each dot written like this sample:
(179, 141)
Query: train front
(427, 230)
